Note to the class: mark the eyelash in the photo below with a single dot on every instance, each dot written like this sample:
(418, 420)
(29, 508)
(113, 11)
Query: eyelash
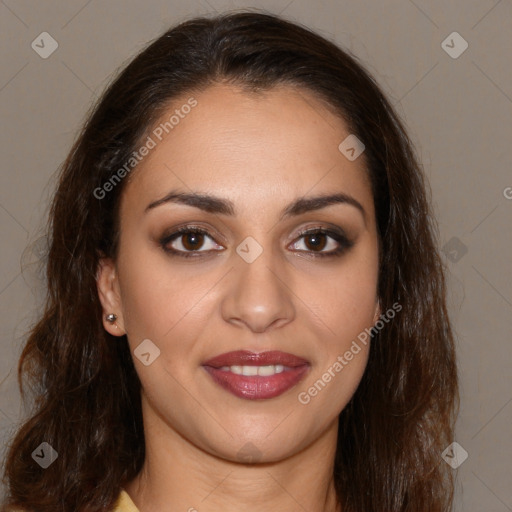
(344, 243)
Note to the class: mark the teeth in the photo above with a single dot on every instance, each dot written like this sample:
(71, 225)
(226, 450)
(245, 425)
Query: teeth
(249, 371)
(262, 371)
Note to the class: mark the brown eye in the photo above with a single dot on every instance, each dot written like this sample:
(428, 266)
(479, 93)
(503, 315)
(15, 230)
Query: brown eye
(192, 240)
(318, 239)
(187, 241)
(315, 241)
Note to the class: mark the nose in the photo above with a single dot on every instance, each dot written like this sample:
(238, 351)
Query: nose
(259, 295)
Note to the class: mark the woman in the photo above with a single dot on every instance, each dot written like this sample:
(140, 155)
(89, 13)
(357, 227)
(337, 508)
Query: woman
(246, 305)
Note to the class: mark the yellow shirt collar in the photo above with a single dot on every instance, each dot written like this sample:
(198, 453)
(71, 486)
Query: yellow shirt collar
(124, 503)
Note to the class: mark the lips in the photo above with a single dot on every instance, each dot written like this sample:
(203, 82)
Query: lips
(247, 358)
(277, 373)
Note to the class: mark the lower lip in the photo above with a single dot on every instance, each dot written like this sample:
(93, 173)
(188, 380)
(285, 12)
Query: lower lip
(257, 387)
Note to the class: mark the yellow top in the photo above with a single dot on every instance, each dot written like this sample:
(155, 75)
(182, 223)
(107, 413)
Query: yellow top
(124, 503)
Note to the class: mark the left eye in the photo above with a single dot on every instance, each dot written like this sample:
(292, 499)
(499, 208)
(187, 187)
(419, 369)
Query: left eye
(317, 240)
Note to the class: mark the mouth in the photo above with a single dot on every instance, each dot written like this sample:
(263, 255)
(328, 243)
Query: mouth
(257, 376)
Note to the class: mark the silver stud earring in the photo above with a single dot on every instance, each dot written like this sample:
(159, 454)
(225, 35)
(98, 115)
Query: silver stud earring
(111, 318)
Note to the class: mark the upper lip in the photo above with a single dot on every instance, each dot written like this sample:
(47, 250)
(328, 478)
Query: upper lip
(248, 358)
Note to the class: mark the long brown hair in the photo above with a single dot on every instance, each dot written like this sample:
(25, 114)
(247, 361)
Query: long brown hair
(86, 390)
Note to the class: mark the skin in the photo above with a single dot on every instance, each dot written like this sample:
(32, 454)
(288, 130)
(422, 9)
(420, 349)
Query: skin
(260, 151)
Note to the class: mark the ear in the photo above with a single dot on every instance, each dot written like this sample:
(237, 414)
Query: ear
(377, 312)
(109, 295)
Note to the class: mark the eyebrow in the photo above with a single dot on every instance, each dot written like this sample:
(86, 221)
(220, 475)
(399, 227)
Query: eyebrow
(218, 205)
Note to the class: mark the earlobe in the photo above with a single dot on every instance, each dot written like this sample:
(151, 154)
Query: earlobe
(109, 295)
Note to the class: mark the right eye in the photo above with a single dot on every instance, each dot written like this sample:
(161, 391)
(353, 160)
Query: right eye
(189, 240)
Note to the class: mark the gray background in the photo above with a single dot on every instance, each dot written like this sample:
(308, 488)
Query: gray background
(459, 113)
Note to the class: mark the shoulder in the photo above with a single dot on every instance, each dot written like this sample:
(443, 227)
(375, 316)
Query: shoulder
(124, 503)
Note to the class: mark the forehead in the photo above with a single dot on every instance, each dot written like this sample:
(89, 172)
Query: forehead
(279, 143)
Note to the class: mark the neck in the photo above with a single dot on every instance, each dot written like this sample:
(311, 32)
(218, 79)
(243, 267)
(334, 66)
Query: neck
(178, 476)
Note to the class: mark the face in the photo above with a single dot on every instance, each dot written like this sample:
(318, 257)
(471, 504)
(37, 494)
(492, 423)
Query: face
(248, 279)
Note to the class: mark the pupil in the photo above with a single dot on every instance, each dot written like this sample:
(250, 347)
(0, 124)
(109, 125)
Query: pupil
(194, 237)
(316, 240)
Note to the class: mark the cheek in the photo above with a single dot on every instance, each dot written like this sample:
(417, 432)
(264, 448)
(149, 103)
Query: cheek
(346, 300)
(148, 290)
(162, 301)
(346, 306)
